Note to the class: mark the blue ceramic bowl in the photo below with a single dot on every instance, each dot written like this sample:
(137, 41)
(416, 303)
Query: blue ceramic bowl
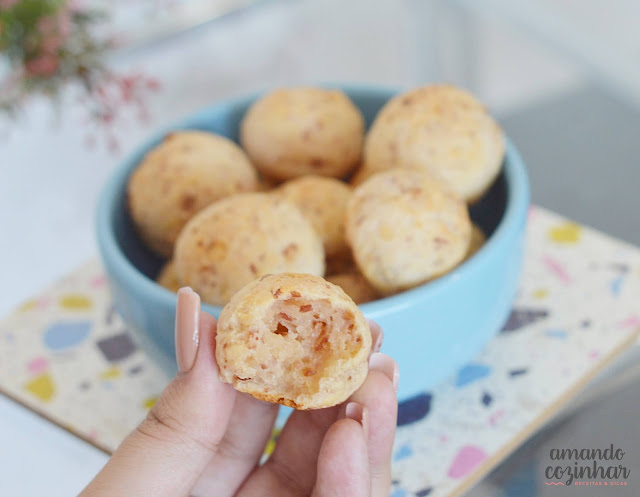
(430, 330)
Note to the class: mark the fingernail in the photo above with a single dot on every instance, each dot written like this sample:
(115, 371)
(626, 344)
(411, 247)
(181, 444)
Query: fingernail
(377, 336)
(359, 413)
(386, 365)
(187, 338)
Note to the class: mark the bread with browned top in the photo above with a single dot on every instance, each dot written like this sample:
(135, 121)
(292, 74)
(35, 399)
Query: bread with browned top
(405, 228)
(181, 176)
(439, 129)
(241, 238)
(293, 132)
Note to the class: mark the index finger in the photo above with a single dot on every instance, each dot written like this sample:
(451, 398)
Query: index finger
(168, 451)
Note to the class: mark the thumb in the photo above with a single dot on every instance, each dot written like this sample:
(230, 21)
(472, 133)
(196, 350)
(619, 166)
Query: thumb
(167, 452)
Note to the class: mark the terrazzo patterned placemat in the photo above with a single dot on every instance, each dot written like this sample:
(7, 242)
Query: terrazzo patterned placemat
(68, 356)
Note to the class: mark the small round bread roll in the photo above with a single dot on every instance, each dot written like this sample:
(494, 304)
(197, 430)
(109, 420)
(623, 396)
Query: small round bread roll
(297, 131)
(294, 339)
(168, 277)
(323, 201)
(241, 238)
(442, 130)
(405, 228)
(477, 240)
(185, 173)
(355, 286)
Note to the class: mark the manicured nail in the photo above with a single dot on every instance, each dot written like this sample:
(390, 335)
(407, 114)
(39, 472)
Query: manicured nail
(187, 318)
(377, 336)
(386, 365)
(359, 413)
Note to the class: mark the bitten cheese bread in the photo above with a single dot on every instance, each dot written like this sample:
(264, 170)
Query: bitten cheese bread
(294, 339)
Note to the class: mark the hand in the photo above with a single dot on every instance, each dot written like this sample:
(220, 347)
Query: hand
(203, 438)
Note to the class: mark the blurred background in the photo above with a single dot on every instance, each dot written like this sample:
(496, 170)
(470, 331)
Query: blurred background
(561, 76)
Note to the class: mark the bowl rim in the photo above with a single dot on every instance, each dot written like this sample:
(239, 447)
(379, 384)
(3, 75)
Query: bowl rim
(517, 204)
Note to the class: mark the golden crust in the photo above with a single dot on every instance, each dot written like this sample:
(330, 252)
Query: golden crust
(323, 201)
(355, 286)
(441, 130)
(359, 176)
(478, 239)
(238, 239)
(292, 132)
(168, 277)
(405, 228)
(184, 174)
(294, 339)
(276, 400)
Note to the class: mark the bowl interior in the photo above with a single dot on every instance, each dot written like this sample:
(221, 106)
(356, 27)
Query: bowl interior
(224, 119)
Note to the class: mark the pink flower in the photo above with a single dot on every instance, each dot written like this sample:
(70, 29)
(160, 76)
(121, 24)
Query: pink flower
(45, 65)
(7, 4)
(51, 44)
(47, 25)
(64, 23)
(58, 24)
(75, 5)
(153, 84)
(54, 31)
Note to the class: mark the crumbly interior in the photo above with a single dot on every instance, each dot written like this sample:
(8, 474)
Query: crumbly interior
(308, 346)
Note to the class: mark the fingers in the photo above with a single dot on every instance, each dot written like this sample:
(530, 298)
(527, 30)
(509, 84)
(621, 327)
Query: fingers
(378, 396)
(291, 469)
(374, 405)
(248, 431)
(293, 464)
(168, 451)
(377, 336)
(343, 464)
(240, 450)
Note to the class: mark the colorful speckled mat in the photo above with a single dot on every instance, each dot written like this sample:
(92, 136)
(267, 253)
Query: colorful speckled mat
(68, 356)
